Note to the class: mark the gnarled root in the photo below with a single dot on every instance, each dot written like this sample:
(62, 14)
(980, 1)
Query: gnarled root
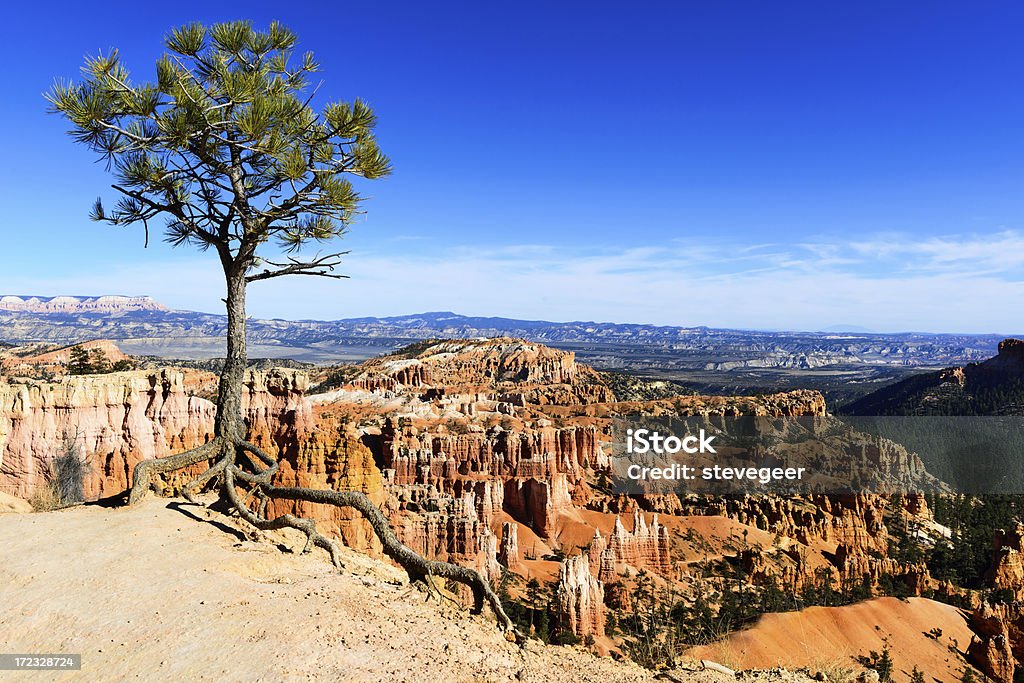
(145, 471)
(418, 567)
(285, 521)
(258, 485)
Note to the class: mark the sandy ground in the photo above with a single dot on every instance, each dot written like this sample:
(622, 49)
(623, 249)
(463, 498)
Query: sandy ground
(830, 638)
(12, 504)
(173, 592)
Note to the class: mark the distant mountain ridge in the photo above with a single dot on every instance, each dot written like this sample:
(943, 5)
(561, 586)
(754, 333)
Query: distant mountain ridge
(67, 320)
(112, 303)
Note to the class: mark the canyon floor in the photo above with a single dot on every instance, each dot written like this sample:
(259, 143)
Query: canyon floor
(172, 591)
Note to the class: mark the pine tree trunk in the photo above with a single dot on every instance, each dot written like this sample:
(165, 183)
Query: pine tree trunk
(230, 424)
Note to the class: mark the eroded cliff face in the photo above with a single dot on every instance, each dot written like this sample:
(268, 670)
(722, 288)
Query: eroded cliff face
(116, 420)
(113, 420)
(531, 472)
(645, 547)
(1006, 572)
(511, 370)
(999, 642)
(854, 565)
(855, 520)
(509, 553)
(799, 403)
(329, 456)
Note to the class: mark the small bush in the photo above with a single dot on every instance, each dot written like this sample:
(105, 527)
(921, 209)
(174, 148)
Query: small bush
(45, 498)
(65, 482)
(70, 469)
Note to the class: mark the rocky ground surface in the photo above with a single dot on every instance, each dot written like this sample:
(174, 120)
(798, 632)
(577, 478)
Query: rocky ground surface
(170, 591)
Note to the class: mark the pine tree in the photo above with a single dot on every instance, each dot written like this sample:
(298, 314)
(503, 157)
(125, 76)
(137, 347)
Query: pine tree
(226, 147)
(79, 363)
(99, 362)
(535, 598)
(884, 665)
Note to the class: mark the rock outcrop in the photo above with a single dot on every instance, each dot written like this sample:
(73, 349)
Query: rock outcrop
(1006, 572)
(579, 598)
(530, 473)
(798, 403)
(857, 567)
(510, 370)
(509, 553)
(645, 547)
(855, 520)
(994, 657)
(114, 421)
(997, 645)
(999, 627)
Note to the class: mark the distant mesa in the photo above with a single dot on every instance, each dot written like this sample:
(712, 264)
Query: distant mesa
(992, 387)
(1011, 352)
(79, 304)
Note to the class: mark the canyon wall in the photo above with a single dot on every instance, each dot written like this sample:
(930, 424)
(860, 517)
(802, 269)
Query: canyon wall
(116, 420)
(473, 449)
(113, 421)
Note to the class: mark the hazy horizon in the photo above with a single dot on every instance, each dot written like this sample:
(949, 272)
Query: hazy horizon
(835, 329)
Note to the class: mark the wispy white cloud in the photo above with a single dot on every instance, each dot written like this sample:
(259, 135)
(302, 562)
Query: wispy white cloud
(1000, 252)
(885, 282)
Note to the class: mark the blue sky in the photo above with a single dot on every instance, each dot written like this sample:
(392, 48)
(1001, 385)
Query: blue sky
(744, 164)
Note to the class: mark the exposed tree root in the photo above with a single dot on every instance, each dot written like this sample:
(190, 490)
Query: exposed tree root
(197, 484)
(257, 485)
(147, 470)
